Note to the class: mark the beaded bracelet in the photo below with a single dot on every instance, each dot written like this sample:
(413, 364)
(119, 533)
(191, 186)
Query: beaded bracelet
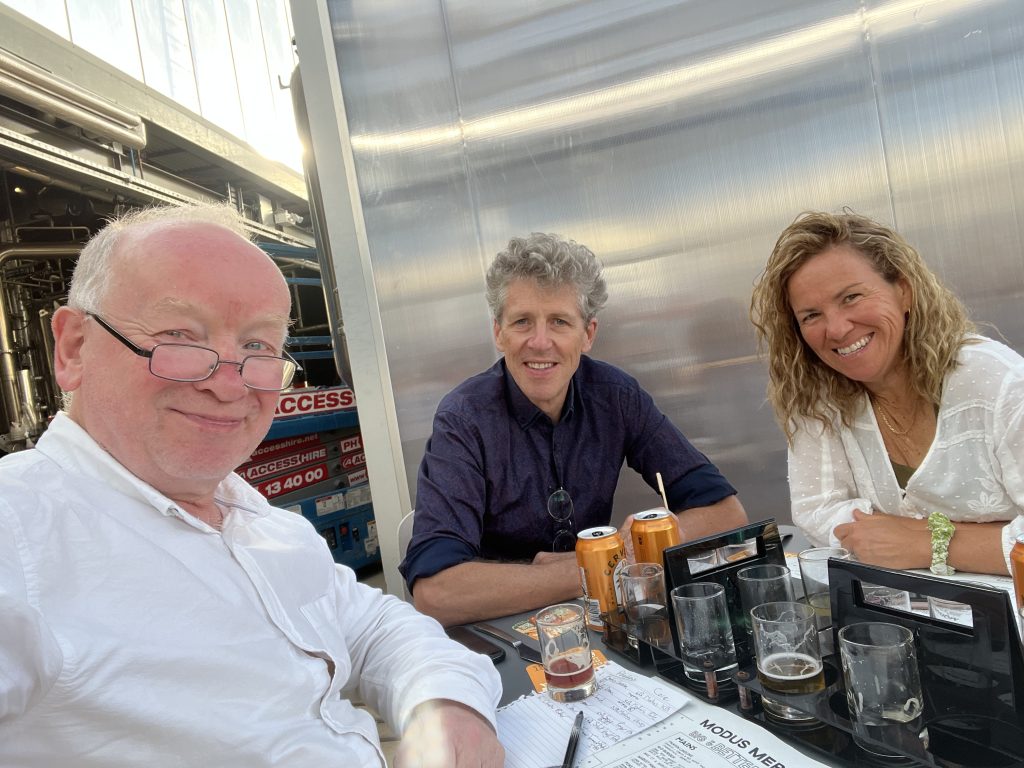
(942, 531)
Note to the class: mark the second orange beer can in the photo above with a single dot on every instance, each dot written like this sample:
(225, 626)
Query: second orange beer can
(598, 552)
(1016, 569)
(652, 532)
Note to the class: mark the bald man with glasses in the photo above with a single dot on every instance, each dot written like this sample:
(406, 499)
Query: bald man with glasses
(156, 610)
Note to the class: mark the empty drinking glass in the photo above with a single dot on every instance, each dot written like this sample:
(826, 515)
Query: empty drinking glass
(705, 630)
(883, 685)
(643, 600)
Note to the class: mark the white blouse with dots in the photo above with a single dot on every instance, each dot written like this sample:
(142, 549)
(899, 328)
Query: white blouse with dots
(973, 472)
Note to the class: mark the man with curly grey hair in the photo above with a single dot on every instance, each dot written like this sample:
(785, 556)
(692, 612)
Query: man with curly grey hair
(526, 454)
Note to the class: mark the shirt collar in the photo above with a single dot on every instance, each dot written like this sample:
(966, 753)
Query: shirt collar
(68, 445)
(525, 412)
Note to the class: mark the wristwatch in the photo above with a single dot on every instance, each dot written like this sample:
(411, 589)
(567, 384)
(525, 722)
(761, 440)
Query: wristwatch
(942, 531)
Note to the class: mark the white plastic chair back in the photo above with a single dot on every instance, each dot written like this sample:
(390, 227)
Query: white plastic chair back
(404, 535)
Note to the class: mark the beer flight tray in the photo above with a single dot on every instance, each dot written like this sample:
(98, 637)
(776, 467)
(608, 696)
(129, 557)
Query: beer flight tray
(972, 677)
(717, 559)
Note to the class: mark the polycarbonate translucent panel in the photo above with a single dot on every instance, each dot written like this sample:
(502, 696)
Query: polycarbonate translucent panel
(166, 52)
(251, 70)
(214, 67)
(49, 13)
(281, 60)
(106, 28)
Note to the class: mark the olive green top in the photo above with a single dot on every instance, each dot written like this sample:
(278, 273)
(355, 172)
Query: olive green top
(903, 473)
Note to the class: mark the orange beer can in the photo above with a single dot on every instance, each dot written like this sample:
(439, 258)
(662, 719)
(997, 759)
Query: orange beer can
(598, 552)
(652, 532)
(1016, 569)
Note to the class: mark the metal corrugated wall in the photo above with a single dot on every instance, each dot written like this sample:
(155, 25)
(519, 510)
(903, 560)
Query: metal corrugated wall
(676, 139)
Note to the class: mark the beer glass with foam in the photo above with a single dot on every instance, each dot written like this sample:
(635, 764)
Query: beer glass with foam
(788, 656)
(766, 583)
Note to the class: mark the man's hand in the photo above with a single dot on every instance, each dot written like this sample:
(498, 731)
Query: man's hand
(542, 557)
(887, 540)
(628, 539)
(446, 734)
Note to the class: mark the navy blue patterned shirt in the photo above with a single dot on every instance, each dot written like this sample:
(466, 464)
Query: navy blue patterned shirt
(494, 458)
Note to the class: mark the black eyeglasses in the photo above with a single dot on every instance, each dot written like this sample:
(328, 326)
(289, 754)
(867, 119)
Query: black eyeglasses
(560, 508)
(191, 363)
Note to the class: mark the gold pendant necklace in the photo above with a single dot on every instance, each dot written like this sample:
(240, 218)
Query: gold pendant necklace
(885, 419)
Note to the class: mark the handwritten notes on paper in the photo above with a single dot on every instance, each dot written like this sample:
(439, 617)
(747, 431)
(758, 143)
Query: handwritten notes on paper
(639, 722)
(535, 730)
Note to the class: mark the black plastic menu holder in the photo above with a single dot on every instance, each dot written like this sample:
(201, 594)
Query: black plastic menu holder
(972, 678)
(754, 544)
(718, 559)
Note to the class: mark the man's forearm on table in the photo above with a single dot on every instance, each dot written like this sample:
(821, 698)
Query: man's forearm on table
(475, 591)
(723, 515)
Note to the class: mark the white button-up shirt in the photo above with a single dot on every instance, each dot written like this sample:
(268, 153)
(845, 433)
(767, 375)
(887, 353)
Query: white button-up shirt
(132, 634)
(973, 471)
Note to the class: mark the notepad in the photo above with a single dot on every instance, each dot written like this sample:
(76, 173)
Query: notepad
(535, 729)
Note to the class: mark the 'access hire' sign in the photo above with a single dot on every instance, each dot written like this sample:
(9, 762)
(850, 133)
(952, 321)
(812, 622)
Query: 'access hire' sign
(303, 402)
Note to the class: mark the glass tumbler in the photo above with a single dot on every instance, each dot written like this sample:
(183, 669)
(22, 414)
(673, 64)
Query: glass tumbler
(883, 684)
(705, 630)
(565, 652)
(643, 600)
(788, 656)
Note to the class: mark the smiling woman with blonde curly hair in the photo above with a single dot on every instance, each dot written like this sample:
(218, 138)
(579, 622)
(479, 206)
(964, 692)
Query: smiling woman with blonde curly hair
(905, 428)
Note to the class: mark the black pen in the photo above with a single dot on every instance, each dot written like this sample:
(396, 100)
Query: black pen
(574, 739)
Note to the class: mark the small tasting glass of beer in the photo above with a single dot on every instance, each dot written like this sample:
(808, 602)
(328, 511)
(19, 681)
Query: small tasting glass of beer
(788, 657)
(565, 651)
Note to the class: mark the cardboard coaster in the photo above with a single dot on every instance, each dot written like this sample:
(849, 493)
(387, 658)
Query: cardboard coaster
(526, 627)
(536, 671)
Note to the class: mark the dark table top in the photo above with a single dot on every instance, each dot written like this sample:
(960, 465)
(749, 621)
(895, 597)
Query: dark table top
(516, 682)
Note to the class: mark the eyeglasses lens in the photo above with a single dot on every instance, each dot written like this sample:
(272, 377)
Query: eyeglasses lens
(271, 373)
(184, 362)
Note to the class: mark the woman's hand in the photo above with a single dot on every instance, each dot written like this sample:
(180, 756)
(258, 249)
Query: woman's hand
(887, 540)
(906, 542)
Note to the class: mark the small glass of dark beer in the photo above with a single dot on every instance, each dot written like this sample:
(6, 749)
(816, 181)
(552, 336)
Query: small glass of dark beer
(565, 651)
